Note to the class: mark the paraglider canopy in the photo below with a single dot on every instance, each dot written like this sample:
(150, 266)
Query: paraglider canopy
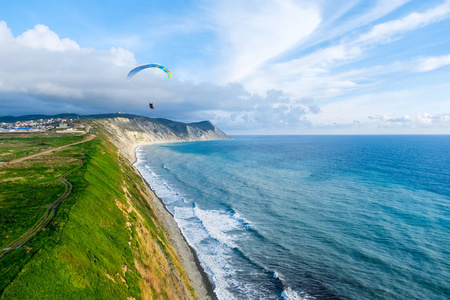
(140, 68)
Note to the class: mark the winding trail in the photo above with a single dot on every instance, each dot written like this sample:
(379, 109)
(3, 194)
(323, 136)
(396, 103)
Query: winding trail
(52, 208)
(43, 222)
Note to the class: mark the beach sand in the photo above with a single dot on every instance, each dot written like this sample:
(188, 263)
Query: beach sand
(203, 287)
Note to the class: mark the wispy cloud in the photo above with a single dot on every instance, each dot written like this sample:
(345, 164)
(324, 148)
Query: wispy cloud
(384, 32)
(338, 19)
(432, 63)
(420, 120)
(314, 74)
(253, 32)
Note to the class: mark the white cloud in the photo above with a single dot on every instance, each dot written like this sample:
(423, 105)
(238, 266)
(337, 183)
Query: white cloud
(52, 77)
(425, 118)
(420, 120)
(120, 57)
(338, 19)
(47, 88)
(432, 63)
(267, 114)
(5, 33)
(40, 64)
(385, 31)
(41, 37)
(259, 31)
(313, 74)
(421, 123)
(307, 75)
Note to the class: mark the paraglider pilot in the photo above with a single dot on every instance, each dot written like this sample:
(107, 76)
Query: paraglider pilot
(151, 106)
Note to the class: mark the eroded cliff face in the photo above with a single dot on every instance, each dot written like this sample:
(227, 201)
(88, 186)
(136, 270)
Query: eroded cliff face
(129, 133)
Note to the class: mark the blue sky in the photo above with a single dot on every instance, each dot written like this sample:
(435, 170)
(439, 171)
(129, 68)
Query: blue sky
(252, 67)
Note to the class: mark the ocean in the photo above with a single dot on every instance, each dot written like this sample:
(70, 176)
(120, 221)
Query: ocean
(312, 217)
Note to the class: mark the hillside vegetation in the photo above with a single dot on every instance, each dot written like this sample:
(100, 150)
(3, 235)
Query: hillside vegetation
(105, 240)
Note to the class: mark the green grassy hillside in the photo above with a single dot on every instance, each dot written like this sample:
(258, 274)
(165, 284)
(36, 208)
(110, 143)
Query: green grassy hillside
(105, 242)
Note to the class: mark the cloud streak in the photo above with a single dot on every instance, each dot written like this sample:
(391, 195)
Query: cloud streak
(313, 74)
(260, 31)
(384, 32)
(427, 64)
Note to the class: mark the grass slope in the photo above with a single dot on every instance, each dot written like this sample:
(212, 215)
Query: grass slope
(105, 241)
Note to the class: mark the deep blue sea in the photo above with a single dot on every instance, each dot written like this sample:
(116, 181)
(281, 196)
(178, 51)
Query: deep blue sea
(312, 217)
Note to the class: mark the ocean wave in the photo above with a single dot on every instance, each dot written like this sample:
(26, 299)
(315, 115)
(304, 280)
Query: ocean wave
(222, 226)
(213, 253)
(161, 187)
(290, 294)
(213, 234)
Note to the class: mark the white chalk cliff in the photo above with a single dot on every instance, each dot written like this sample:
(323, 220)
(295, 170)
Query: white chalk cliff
(127, 133)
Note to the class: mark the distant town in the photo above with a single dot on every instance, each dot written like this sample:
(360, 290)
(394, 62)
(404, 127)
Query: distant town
(59, 125)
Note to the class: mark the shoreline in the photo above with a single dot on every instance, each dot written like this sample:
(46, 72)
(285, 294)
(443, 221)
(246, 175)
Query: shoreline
(199, 279)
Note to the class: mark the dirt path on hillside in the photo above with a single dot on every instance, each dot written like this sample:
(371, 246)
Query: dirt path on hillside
(43, 222)
(52, 208)
(3, 164)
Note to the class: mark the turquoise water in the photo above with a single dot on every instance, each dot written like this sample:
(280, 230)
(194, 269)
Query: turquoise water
(312, 217)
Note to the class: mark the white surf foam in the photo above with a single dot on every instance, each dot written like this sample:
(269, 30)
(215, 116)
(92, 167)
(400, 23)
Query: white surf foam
(290, 294)
(220, 224)
(212, 253)
(211, 233)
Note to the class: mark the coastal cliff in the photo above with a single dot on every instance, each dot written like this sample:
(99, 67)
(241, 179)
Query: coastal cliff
(127, 133)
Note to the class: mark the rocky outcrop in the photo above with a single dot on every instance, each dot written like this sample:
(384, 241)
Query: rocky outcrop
(129, 133)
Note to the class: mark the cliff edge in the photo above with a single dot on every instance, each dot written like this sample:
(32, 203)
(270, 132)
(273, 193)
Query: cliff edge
(127, 133)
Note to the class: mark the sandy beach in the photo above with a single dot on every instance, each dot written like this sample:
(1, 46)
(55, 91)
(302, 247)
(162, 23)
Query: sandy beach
(198, 277)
